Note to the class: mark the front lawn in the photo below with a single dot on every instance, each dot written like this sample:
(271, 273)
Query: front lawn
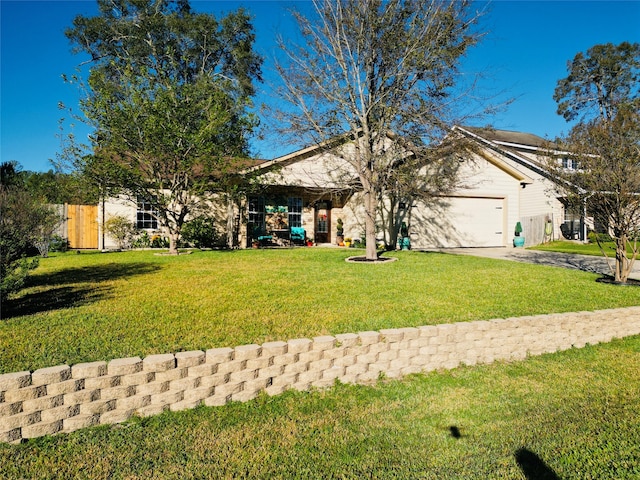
(92, 306)
(568, 415)
(579, 248)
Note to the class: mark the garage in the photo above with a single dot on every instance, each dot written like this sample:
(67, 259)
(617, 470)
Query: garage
(451, 222)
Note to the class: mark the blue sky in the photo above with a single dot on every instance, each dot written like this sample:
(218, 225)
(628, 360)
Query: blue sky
(524, 53)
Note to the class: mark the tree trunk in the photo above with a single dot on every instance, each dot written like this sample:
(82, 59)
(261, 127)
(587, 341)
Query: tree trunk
(173, 243)
(371, 207)
(230, 223)
(623, 268)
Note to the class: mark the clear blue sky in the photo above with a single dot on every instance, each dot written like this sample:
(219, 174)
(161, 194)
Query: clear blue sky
(525, 53)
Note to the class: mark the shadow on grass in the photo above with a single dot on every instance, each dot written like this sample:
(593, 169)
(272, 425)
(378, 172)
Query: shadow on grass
(64, 289)
(53, 299)
(533, 467)
(92, 274)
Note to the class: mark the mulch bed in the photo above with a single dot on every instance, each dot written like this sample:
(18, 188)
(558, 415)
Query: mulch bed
(608, 279)
(366, 260)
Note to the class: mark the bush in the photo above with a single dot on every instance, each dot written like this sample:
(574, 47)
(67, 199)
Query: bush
(159, 242)
(602, 237)
(58, 244)
(25, 222)
(200, 232)
(143, 241)
(120, 229)
(47, 220)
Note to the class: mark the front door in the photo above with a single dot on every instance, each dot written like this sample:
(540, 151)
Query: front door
(323, 222)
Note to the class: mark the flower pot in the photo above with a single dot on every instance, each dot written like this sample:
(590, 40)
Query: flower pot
(518, 241)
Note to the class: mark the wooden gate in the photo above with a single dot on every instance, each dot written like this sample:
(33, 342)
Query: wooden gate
(82, 226)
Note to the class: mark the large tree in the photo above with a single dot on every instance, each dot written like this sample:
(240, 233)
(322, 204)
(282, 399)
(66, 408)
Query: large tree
(603, 91)
(385, 72)
(168, 94)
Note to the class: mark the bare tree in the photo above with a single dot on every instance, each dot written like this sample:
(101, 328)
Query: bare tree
(386, 73)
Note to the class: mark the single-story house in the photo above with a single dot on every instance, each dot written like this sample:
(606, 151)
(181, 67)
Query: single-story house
(503, 182)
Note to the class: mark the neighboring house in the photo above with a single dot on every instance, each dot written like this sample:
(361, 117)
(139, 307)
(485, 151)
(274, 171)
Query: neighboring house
(310, 189)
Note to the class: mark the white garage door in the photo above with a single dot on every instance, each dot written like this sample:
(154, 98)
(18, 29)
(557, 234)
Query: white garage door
(459, 222)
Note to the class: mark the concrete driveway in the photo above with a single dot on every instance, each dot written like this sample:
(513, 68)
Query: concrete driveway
(585, 263)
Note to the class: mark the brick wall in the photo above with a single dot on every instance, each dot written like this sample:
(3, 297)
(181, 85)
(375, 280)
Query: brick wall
(66, 398)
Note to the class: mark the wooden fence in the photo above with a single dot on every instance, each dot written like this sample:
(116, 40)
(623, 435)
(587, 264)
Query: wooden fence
(82, 226)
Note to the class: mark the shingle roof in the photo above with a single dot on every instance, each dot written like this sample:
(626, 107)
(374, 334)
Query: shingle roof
(507, 136)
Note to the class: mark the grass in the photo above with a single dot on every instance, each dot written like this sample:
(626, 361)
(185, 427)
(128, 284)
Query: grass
(579, 248)
(569, 415)
(88, 307)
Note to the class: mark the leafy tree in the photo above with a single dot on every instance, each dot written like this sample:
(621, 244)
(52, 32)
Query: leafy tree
(168, 94)
(58, 187)
(386, 72)
(599, 81)
(604, 87)
(25, 222)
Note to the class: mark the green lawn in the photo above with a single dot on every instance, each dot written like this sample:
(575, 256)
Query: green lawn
(579, 248)
(569, 415)
(88, 307)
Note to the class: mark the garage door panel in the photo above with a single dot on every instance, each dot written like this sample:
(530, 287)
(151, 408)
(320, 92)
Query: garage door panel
(459, 222)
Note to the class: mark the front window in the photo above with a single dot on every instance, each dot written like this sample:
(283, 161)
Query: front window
(147, 215)
(295, 212)
(256, 216)
(274, 214)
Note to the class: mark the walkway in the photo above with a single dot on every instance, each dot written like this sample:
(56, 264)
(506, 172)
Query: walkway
(585, 263)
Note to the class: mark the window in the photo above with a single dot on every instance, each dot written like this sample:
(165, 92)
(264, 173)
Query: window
(256, 216)
(569, 163)
(147, 216)
(295, 212)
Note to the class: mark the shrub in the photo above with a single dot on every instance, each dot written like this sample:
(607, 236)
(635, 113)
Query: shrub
(58, 244)
(159, 242)
(25, 222)
(143, 241)
(200, 232)
(120, 229)
(48, 220)
(602, 237)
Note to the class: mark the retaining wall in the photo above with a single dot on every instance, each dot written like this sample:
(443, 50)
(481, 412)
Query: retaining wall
(66, 398)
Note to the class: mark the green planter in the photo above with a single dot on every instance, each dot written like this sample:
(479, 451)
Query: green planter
(518, 241)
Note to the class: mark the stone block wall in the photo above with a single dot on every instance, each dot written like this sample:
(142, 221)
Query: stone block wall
(66, 398)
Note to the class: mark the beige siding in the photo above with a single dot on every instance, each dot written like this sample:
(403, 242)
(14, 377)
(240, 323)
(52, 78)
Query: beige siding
(538, 199)
(215, 206)
(323, 171)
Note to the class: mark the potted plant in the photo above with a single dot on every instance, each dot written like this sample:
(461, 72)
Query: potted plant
(347, 242)
(309, 242)
(518, 240)
(339, 232)
(404, 241)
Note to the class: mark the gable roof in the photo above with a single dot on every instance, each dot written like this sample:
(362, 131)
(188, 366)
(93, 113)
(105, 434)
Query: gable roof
(510, 138)
(497, 145)
(303, 153)
(512, 145)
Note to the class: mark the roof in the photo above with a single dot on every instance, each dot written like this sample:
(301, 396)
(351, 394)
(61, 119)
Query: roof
(509, 137)
(513, 145)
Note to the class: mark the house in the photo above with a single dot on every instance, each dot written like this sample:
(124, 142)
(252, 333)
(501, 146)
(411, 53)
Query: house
(502, 182)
